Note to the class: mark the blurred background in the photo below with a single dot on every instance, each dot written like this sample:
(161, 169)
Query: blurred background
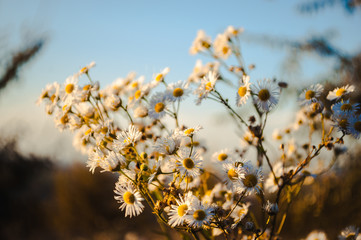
(46, 190)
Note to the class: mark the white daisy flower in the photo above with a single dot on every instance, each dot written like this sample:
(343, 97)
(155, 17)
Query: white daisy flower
(267, 94)
(339, 93)
(232, 31)
(201, 43)
(50, 94)
(354, 126)
(231, 174)
(221, 46)
(199, 215)
(189, 164)
(157, 106)
(159, 77)
(112, 162)
(177, 91)
(70, 87)
(349, 233)
(222, 156)
(113, 102)
(244, 91)
(342, 122)
(316, 235)
(240, 212)
(189, 132)
(167, 145)
(311, 94)
(250, 179)
(94, 159)
(206, 86)
(345, 107)
(178, 213)
(86, 69)
(129, 136)
(140, 112)
(190, 182)
(61, 121)
(129, 198)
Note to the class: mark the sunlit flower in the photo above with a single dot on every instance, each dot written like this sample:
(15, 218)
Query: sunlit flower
(177, 91)
(86, 69)
(94, 159)
(189, 163)
(129, 198)
(250, 179)
(338, 93)
(178, 213)
(201, 43)
(207, 85)
(159, 77)
(167, 145)
(222, 156)
(190, 182)
(157, 106)
(221, 47)
(130, 136)
(112, 161)
(240, 212)
(267, 94)
(189, 132)
(199, 215)
(244, 91)
(232, 31)
(311, 94)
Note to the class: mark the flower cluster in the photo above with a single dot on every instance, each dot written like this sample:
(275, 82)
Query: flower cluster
(124, 128)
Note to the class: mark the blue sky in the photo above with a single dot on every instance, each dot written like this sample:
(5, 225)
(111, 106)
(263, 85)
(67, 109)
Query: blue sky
(146, 36)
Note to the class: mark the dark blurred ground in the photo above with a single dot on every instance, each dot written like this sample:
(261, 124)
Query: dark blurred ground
(42, 201)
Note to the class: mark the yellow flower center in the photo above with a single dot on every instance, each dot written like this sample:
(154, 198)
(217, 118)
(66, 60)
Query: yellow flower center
(310, 94)
(242, 91)
(64, 119)
(340, 92)
(199, 215)
(178, 92)
(87, 87)
(225, 50)
(104, 130)
(182, 209)
(343, 123)
(189, 131)
(222, 157)
(69, 88)
(159, 107)
(250, 180)
(206, 44)
(134, 84)
(346, 107)
(137, 94)
(128, 197)
(264, 95)
(357, 126)
(232, 174)
(159, 77)
(84, 70)
(209, 86)
(88, 131)
(188, 163)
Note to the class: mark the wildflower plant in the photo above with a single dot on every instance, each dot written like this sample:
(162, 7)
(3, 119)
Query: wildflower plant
(122, 129)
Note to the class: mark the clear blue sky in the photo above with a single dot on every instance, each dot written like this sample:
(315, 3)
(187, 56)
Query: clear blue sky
(146, 36)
